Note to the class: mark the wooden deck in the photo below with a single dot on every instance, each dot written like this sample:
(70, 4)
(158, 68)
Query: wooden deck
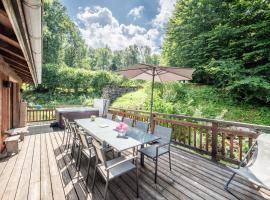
(43, 170)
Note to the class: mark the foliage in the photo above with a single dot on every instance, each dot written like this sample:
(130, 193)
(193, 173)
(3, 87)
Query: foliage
(106, 59)
(226, 41)
(194, 100)
(62, 41)
(63, 78)
(48, 99)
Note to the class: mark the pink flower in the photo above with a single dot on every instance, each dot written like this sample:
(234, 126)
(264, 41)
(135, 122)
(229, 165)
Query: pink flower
(122, 127)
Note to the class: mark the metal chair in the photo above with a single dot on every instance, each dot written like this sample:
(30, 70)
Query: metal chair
(113, 168)
(66, 129)
(109, 116)
(86, 149)
(160, 148)
(144, 126)
(75, 141)
(258, 168)
(128, 121)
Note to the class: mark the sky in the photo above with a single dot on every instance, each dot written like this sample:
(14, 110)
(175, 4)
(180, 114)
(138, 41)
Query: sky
(120, 23)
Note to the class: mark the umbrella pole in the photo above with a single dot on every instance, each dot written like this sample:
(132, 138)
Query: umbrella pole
(152, 98)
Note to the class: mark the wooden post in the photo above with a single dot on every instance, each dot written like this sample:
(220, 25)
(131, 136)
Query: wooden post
(214, 140)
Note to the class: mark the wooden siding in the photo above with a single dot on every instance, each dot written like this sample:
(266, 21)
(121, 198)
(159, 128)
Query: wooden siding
(9, 107)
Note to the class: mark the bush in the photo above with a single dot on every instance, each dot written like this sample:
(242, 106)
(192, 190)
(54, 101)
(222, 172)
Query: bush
(60, 78)
(251, 89)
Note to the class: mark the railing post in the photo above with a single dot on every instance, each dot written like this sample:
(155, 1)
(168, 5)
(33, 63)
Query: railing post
(214, 140)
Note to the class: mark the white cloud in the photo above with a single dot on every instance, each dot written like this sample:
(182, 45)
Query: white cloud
(166, 8)
(136, 12)
(100, 28)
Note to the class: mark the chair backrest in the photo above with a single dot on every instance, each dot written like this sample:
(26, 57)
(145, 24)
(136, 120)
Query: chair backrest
(164, 133)
(99, 150)
(65, 122)
(259, 164)
(83, 139)
(128, 121)
(142, 125)
(73, 129)
(118, 118)
(67, 125)
(109, 116)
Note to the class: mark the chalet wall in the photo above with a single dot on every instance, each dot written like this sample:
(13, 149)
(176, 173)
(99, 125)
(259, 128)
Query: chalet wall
(9, 105)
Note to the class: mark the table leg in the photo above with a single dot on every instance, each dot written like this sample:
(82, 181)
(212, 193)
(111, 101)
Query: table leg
(142, 157)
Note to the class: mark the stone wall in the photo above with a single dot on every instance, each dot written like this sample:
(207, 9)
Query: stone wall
(112, 92)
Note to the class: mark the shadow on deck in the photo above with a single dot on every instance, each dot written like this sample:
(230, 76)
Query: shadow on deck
(44, 170)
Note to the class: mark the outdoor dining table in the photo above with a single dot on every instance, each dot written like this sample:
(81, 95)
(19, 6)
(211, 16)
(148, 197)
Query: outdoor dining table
(104, 131)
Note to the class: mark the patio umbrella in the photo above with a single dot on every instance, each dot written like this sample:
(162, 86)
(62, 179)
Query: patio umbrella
(156, 73)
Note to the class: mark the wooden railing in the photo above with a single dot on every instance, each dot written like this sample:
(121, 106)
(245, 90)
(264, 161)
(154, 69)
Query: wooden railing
(222, 140)
(43, 114)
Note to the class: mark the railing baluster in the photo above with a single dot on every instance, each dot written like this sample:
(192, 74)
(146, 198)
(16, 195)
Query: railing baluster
(189, 135)
(201, 136)
(175, 134)
(184, 135)
(195, 138)
(223, 144)
(250, 141)
(206, 138)
(179, 134)
(231, 146)
(240, 148)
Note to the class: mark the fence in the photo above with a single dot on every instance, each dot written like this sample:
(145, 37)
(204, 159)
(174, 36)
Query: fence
(43, 114)
(222, 140)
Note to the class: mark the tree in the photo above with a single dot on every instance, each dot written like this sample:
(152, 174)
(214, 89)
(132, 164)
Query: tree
(62, 40)
(104, 58)
(213, 35)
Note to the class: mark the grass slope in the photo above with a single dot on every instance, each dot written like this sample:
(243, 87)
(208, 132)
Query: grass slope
(194, 100)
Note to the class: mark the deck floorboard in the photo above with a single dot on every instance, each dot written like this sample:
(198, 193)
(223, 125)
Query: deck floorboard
(44, 169)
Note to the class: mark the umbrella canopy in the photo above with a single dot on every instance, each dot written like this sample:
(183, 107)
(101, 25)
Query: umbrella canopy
(156, 73)
(161, 74)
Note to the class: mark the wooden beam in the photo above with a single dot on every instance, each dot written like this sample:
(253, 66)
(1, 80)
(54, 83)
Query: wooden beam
(4, 20)
(22, 74)
(8, 71)
(8, 37)
(21, 64)
(11, 49)
(1, 5)
(11, 62)
(19, 69)
(12, 57)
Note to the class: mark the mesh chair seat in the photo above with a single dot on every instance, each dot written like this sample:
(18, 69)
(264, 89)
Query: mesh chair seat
(117, 170)
(150, 151)
(76, 141)
(257, 169)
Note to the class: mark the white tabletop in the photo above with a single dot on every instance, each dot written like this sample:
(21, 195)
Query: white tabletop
(103, 130)
(76, 109)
